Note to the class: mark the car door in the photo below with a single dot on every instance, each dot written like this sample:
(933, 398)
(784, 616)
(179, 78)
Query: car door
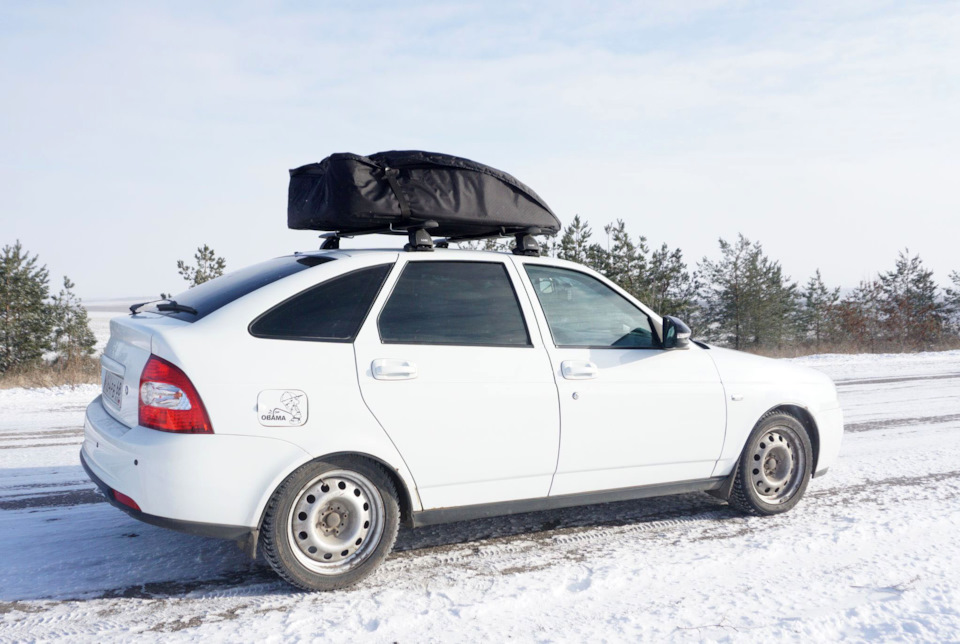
(453, 367)
(631, 413)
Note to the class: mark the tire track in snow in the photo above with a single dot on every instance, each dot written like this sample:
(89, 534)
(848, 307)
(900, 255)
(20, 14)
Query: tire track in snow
(884, 381)
(713, 517)
(70, 498)
(500, 555)
(921, 421)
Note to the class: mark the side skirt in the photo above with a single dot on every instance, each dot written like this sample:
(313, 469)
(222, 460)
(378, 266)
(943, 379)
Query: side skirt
(483, 510)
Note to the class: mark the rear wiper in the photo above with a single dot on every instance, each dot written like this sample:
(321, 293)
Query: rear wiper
(169, 305)
(172, 305)
(135, 307)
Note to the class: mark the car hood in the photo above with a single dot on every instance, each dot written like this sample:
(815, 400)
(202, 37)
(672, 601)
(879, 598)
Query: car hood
(737, 367)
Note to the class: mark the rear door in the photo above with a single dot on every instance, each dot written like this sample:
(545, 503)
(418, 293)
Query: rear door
(453, 367)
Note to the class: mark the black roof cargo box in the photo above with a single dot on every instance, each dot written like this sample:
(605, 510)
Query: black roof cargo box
(394, 191)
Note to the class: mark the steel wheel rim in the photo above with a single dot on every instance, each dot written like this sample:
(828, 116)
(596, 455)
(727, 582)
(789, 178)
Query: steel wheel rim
(778, 465)
(335, 522)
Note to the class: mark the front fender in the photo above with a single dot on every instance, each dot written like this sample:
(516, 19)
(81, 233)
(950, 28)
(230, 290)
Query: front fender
(754, 385)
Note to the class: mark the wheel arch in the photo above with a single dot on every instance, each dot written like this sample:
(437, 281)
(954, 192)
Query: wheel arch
(404, 492)
(405, 500)
(799, 412)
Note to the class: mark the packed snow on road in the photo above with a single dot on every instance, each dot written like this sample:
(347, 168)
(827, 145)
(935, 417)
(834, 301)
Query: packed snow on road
(871, 552)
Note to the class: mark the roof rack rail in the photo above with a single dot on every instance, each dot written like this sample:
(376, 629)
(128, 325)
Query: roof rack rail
(526, 243)
(419, 239)
(415, 230)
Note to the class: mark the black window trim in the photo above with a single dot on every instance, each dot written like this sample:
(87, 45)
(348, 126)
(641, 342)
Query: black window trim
(653, 327)
(298, 338)
(516, 297)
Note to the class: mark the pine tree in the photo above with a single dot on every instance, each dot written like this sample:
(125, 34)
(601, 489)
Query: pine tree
(25, 321)
(778, 314)
(747, 300)
(208, 266)
(575, 241)
(72, 337)
(670, 287)
(860, 317)
(913, 316)
(626, 261)
(725, 294)
(952, 302)
(818, 318)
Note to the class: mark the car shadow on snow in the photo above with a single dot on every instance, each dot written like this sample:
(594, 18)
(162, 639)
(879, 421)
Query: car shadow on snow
(549, 522)
(93, 551)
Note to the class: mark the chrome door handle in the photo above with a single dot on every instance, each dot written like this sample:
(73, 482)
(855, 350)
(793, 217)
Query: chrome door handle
(578, 370)
(391, 369)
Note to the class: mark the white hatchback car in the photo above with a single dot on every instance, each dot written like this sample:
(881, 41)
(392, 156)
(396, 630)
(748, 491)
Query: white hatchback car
(308, 405)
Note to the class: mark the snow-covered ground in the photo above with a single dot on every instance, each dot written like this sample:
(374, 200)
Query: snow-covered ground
(873, 552)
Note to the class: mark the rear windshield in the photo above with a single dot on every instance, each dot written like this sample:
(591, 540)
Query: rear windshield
(210, 296)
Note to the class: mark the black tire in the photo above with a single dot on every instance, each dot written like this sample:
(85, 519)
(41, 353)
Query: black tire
(775, 466)
(336, 502)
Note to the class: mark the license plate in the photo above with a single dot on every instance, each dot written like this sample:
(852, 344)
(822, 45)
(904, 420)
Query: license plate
(113, 388)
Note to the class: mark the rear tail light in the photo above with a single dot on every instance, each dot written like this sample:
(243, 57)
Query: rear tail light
(169, 401)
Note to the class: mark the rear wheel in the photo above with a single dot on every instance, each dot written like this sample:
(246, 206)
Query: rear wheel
(775, 466)
(331, 523)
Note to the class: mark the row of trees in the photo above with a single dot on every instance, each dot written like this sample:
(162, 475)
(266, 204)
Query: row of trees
(743, 298)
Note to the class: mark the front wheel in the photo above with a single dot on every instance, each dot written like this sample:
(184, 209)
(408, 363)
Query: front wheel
(330, 524)
(775, 466)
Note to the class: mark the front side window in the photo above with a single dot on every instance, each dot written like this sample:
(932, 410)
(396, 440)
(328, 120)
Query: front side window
(331, 311)
(582, 311)
(464, 303)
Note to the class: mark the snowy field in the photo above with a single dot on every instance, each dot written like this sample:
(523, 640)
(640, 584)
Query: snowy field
(872, 553)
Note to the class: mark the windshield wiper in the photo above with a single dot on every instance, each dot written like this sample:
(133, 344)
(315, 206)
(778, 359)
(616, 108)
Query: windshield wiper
(171, 305)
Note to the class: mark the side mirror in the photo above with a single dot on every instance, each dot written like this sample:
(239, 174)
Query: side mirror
(676, 334)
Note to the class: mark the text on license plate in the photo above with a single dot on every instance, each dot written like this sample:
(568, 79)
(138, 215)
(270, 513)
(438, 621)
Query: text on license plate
(113, 387)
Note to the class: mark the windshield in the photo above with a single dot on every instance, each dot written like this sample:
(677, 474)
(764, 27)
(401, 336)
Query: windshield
(210, 296)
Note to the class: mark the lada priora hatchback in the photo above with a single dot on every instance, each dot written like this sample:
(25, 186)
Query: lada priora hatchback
(308, 405)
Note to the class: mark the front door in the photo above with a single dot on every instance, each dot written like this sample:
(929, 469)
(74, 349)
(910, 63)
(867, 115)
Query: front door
(632, 413)
(453, 367)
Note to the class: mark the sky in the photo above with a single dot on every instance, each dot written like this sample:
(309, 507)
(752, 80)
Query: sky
(132, 133)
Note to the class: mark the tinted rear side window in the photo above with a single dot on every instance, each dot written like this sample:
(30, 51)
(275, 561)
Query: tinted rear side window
(210, 296)
(331, 311)
(465, 303)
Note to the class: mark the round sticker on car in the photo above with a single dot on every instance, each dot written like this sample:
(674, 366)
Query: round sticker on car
(282, 408)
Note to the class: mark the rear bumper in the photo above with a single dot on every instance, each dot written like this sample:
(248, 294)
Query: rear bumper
(234, 532)
(206, 484)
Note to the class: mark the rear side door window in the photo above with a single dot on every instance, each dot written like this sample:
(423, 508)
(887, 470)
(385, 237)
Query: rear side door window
(454, 303)
(584, 312)
(331, 311)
